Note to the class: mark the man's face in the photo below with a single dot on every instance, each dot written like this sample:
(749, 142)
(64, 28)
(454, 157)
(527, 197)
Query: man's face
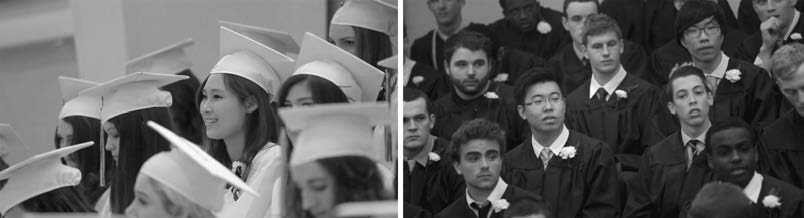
(480, 163)
(734, 156)
(575, 17)
(544, 107)
(604, 51)
(781, 9)
(417, 123)
(703, 40)
(793, 89)
(445, 11)
(691, 101)
(469, 70)
(521, 13)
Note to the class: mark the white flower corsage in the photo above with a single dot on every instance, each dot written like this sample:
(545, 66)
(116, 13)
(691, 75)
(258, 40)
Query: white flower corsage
(499, 205)
(544, 27)
(434, 157)
(501, 77)
(795, 36)
(771, 201)
(491, 95)
(733, 75)
(567, 152)
(417, 79)
(621, 94)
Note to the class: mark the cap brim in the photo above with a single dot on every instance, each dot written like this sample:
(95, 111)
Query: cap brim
(14, 151)
(70, 87)
(301, 117)
(179, 45)
(159, 79)
(367, 209)
(232, 41)
(53, 154)
(390, 63)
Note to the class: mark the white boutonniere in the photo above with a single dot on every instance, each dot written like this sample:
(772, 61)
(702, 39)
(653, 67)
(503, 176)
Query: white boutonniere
(491, 95)
(501, 77)
(733, 75)
(544, 27)
(621, 94)
(417, 80)
(567, 152)
(499, 205)
(771, 201)
(434, 157)
(795, 36)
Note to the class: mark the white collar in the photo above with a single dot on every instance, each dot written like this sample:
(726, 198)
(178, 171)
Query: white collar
(578, 51)
(559, 143)
(610, 86)
(752, 189)
(701, 138)
(793, 24)
(444, 36)
(495, 194)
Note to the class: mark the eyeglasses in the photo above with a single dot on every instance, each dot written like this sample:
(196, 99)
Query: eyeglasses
(540, 102)
(695, 33)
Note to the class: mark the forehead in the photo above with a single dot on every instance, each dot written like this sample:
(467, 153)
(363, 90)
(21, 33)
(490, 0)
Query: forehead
(307, 171)
(730, 136)
(603, 37)
(581, 8)
(480, 145)
(686, 82)
(464, 54)
(542, 88)
(794, 80)
(415, 107)
(215, 81)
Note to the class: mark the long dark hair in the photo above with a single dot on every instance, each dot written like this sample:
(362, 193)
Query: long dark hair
(138, 142)
(372, 46)
(357, 178)
(262, 125)
(60, 200)
(187, 121)
(322, 90)
(87, 129)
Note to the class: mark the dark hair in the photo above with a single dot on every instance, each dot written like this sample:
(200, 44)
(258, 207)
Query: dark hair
(528, 205)
(475, 129)
(87, 129)
(357, 178)
(187, 120)
(597, 24)
(474, 41)
(567, 2)
(372, 46)
(412, 94)
(502, 3)
(718, 199)
(3, 166)
(532, 77)
(322, 90)
(138, 142)
(262, 125)
(787, 60)
(61, 200)
(729, 123)
(695, 11)
(684, 71)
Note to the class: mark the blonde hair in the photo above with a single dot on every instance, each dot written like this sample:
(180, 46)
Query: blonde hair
(175, 204)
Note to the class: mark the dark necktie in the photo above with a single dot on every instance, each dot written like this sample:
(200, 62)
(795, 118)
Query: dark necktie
(601, 94)
(482, 212)
(692, 151)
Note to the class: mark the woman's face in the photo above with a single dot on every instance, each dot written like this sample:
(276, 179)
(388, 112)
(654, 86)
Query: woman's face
(65, 132)
(344, 37)
(299, 95)
(146, 203)
(112, 139)
(317, 189)
(224, 114)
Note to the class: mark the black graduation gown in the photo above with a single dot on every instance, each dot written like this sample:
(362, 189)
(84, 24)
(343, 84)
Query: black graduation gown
(583, 186)
(540, 45)
(437, 186)
(749, 48)
(623, 12)
(752, 99)
(451, 111)
(664, 185)
(747, 20)
(620, 122)
(413, 211)
(459, 208)
(421, 50)
(790, 197)
(663, 59)
(782, 149)
(574, 71)
(432, 82)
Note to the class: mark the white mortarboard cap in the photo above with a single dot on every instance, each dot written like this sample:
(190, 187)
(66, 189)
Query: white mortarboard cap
(279, 41)
(168, 60)
(390, 63)
(359, 80)
(333, 130)
(37, 175)
(12, 150)
(191, 172)
(132, 92)
(367, 209)
(370, 14)
(75, 104)
(252, 58)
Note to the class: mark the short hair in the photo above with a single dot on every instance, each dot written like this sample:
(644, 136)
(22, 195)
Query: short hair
(528, 205)
(695, 11)
(787, 60)
(471, 40)
(730, 123)
(475, 129)
(720, 199)
(597, 24)
(412, 94)
(532, 77)
(567, 2)
(684, 71)
(502, 3)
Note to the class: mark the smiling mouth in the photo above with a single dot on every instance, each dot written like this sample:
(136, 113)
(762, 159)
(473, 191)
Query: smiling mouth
(210, 121)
